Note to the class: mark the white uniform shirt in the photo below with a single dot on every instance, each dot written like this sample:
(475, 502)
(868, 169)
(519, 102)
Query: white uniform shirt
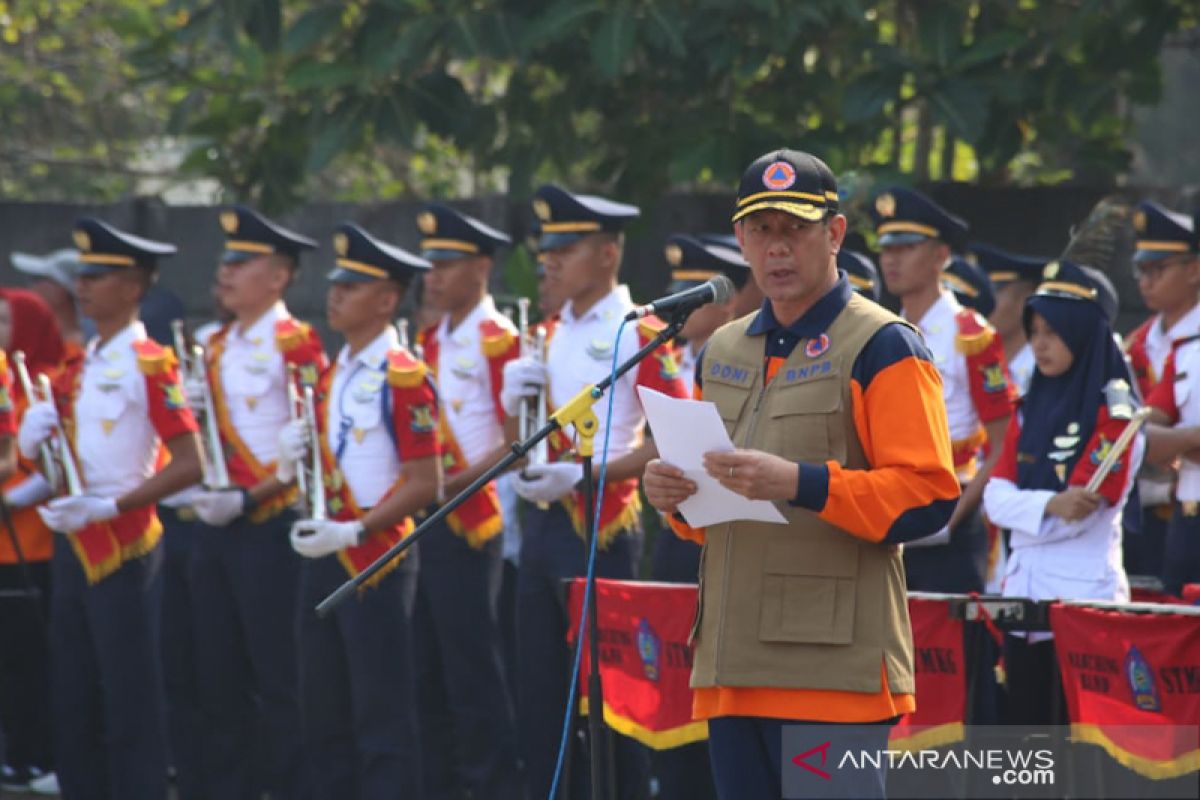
(253, 376)
(354, 420)
(1159, 341)
(940, 330)
(1021, 368)
(115, 442)
(1050, 557)
(465, 383)
(1187, 401)
(581, 353)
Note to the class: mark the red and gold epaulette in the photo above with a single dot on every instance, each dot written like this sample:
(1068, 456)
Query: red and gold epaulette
(152, 357)
(649, 327)
(495, 339)
(290, 334)
(974, 333)
(404, 370)
(3, 365)
(1138, 337)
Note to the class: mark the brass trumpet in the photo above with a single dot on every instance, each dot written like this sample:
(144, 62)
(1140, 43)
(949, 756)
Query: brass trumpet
(310, 478)
(57, 459)
(192, 366)
(533, 414)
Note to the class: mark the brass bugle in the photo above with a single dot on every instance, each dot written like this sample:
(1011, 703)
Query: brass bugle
(193, 367)
(49, 466)
(66, 456)
(296, 411)
(316, 486)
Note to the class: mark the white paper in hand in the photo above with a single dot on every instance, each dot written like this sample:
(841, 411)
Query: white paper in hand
(684, 430)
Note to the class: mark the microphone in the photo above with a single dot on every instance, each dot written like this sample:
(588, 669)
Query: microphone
(717, 290)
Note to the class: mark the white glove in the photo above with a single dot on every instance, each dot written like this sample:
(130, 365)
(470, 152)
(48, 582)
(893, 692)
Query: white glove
(69, 514)
(194, 389)
(39, 422)
(523, 377)
(220, 507)
(318, 538)
(28, 492)
(546, 483)
(293, 446)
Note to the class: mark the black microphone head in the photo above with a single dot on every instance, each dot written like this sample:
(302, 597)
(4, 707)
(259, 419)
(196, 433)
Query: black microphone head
(723, 289)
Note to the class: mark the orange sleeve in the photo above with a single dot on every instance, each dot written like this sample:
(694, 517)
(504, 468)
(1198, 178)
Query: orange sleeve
(910, 488)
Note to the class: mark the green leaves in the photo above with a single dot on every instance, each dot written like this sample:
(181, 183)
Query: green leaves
(612, 42)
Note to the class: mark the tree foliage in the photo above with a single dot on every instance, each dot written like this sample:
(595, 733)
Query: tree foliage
(281, 100)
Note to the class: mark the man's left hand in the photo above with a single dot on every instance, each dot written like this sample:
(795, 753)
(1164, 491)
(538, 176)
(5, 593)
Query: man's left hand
(219, 507)
(754, 474)
(545, 483)
(69, 514)
(319, 538)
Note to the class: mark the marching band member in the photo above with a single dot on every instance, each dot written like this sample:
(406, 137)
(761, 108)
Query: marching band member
(581, 245)
(467, 715)
(916, 236)
(1014, 278)
(1065, 540)
(243, 574)
(118, 407)
(376, 419)
(1168, 277)
(27, 324)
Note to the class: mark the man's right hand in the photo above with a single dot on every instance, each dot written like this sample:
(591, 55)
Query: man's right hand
(1073, 504)
(665, 486)
(38, 422)
(523, 377)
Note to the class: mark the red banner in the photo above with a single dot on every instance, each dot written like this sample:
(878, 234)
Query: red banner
(941, 679)
(645, 659)
(1132, 683)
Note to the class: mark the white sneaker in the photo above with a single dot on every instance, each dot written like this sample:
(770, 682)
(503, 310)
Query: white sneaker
(45, 785)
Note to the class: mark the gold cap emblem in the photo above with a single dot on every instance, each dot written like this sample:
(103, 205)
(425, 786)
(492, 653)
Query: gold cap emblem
(542, 209)
(82, 240)
(1051, 271)
(885, 204)
(341, 243)
(674, 254)
(229, 221)
(1139, 221)
(427, 223)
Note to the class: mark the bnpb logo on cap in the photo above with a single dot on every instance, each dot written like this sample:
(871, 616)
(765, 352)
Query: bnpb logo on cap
(779, 175)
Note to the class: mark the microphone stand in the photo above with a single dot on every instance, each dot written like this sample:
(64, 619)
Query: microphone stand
(578, 411)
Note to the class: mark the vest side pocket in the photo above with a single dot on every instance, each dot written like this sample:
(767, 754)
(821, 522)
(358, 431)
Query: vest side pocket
(801, 412)
(808, 593)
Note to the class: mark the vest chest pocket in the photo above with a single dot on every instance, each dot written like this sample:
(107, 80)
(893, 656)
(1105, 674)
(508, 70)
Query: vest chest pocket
(808, 593)
(801, 416)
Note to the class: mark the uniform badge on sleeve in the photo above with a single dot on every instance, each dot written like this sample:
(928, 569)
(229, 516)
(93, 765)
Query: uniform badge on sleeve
(993, 378)
(422, 419)
(173, 397)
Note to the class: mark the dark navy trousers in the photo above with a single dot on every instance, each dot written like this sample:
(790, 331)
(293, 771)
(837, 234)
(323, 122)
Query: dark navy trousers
(106, 679)
(1181, 552)
(551, 551)
(467, 720)
(179, 653)
(748, 759)
(244, 582)
(357, 685)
